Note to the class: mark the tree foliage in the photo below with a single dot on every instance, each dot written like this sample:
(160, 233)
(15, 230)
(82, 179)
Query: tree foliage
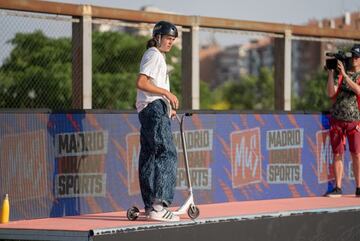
(37, 74)
(314, 97)
(250, 93)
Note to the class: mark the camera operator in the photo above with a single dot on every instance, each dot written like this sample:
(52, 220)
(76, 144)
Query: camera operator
(345, 118)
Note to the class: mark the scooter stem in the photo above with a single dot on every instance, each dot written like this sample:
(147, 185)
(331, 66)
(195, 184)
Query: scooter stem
(183, 142)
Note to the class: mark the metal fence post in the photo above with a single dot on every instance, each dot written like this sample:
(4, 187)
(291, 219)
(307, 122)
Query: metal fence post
(191, 67)
(82, 61)
(283, 72)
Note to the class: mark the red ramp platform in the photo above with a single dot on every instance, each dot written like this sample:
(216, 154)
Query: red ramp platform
(310, 218)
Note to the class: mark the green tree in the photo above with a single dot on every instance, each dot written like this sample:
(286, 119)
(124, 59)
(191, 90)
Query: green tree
(37, 73)
(116, 60)
(314, 97)
(206, 97)
(173, 60)
(250, 93)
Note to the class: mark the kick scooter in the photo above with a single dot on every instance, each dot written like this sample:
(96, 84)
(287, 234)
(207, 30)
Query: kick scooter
(189, 206)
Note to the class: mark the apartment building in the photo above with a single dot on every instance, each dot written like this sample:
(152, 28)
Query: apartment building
(232, 62)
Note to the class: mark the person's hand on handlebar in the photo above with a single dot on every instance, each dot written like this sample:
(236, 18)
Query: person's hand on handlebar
(173, 114)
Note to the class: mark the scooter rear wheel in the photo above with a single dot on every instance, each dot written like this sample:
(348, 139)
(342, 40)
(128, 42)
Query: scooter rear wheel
(193, 212)
(132, 213)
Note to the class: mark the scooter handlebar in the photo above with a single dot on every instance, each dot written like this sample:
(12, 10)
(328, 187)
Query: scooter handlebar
(180, 117)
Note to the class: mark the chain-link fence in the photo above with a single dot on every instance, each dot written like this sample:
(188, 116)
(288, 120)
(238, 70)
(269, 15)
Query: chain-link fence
(117, 51)
(309, 77)
(35, 60)
(237, 68)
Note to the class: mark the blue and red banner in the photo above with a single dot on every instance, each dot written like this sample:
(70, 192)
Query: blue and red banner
(57, 164)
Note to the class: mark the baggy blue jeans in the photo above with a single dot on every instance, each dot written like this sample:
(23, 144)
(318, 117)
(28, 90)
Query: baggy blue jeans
(158, 157)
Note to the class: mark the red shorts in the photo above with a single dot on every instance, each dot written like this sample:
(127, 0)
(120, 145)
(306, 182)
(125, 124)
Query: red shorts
(341, 129)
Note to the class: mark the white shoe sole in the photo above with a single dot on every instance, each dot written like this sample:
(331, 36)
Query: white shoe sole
(163, 216)
(164, 219)
(334, 195)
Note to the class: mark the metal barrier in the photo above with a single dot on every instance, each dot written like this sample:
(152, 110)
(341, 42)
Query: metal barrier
(64, 56)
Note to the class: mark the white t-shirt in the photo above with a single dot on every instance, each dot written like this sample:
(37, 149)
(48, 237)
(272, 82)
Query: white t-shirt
(154, 66)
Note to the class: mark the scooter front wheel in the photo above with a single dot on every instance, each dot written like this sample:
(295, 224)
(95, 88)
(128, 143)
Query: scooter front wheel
(132, 213)
(193, 212)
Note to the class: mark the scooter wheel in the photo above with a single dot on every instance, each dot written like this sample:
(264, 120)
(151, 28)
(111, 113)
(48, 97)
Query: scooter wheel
(193, 212)
(132, 213)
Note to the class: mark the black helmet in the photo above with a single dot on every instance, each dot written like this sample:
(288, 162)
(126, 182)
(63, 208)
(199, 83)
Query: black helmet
(165, 28)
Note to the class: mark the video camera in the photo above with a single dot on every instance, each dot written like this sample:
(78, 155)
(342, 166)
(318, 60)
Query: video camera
(345, 58)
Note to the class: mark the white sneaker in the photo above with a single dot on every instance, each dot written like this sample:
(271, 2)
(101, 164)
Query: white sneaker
(163, 215)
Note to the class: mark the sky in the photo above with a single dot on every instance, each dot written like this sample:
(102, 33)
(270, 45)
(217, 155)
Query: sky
(278, 11)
